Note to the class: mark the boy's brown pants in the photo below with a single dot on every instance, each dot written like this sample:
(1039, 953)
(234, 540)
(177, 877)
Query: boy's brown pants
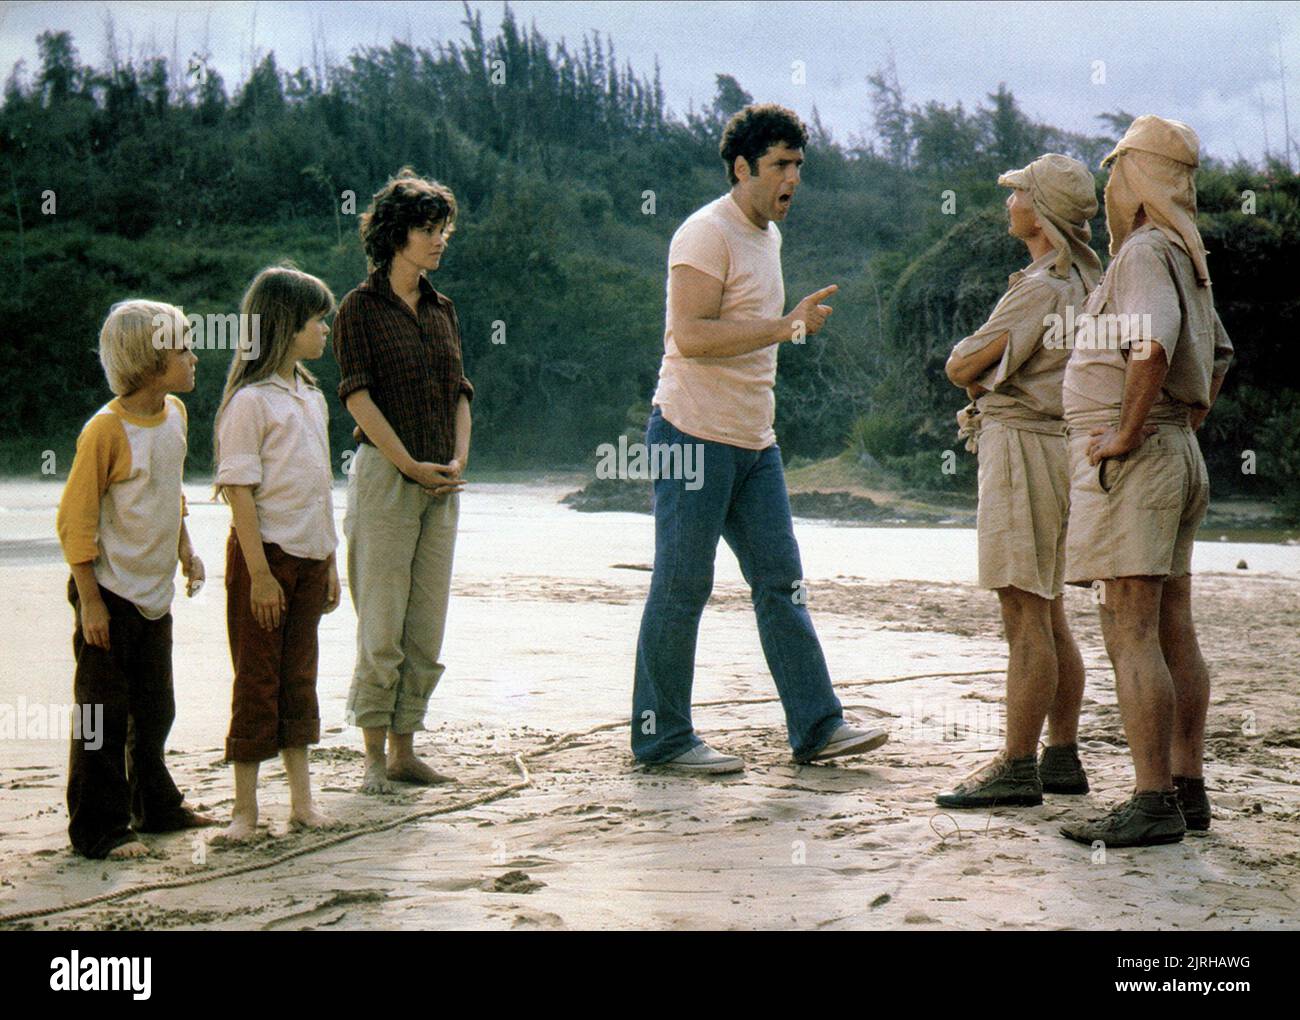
(274, 703)
(124, 782)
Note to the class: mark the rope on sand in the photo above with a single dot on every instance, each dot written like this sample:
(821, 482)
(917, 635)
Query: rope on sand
(845, 683)
(243, 869)
(486, 798)
(569, 738)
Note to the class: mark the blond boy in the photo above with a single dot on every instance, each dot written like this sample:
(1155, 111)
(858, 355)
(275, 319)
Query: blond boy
(120, 524)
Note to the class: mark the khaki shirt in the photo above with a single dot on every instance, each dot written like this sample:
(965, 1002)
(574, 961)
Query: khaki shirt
(1149, 292)
(1026, 382)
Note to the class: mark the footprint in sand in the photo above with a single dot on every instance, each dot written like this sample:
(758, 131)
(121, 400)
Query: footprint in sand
(511, 882)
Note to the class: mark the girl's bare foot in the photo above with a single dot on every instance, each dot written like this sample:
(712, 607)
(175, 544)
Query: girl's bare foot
(410, 769)
(242, 829)
(376, 778)
(311, 818)
(128, 850)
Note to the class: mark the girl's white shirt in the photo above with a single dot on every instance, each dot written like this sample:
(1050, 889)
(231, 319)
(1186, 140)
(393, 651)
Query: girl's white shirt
(274, 436)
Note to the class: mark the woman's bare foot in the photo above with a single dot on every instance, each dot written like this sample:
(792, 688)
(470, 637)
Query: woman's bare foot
(410, 769)
(242, 829)
(376, 778)
(183, 817)
(311, 818)
(127, 851)
(196, 820)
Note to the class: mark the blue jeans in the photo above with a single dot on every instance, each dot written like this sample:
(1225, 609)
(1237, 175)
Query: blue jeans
(742, 499)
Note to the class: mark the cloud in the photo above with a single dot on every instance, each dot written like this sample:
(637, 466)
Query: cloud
(1215, 66)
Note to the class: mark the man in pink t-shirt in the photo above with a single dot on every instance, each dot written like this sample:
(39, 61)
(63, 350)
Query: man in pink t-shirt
(713, 410)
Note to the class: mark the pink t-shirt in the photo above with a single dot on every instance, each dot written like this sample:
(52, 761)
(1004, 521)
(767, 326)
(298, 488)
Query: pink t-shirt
(726, 400)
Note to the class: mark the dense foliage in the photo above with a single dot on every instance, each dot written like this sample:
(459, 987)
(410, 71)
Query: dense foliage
(149, 178)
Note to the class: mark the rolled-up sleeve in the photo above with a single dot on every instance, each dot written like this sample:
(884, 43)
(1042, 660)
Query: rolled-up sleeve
(1023, 315)
(1222, 348)
(239, 440)
(351, 349)
(1145, 298)
(465, 388)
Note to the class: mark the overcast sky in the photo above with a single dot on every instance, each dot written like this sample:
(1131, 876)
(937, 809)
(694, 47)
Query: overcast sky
(1214, 65)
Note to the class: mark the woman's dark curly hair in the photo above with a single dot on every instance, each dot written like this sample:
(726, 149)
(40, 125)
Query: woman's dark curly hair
(754, 130)
(407, 200)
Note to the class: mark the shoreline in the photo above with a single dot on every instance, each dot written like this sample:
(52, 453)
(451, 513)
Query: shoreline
(827, 490)
(1232, 518)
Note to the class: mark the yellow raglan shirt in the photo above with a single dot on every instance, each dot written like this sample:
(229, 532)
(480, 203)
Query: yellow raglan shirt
(123, 504)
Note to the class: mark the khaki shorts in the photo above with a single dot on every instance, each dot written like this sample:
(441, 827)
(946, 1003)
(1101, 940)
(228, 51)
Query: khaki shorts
(1137, 515)
(1024, 483)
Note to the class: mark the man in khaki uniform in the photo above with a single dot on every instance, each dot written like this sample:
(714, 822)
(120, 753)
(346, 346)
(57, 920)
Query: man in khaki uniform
(1013, 365)
(1149, 357)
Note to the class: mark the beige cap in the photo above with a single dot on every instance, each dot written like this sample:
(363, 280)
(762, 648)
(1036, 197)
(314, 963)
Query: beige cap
(1169, 138)
(1065, 198)
(1062, 184)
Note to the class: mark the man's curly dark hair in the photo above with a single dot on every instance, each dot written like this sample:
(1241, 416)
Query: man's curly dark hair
(407, 200)
(754, 130)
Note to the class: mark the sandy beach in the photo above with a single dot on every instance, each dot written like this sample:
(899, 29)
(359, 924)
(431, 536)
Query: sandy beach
(550, 823)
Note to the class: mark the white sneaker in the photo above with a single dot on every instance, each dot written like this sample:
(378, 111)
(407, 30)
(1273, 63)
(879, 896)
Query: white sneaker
(851, 740)
(703, 758)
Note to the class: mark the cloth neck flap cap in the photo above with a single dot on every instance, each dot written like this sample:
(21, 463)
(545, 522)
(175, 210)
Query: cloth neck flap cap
(1065, 199)
(1155, 173)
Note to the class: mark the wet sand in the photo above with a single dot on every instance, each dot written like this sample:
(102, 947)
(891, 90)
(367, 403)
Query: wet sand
(539, 658)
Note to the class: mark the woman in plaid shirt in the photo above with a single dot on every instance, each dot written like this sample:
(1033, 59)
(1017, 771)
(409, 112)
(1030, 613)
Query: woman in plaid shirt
(397, 341)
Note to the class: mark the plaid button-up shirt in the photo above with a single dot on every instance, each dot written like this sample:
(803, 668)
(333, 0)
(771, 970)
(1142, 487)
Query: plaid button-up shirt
(409, 361)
